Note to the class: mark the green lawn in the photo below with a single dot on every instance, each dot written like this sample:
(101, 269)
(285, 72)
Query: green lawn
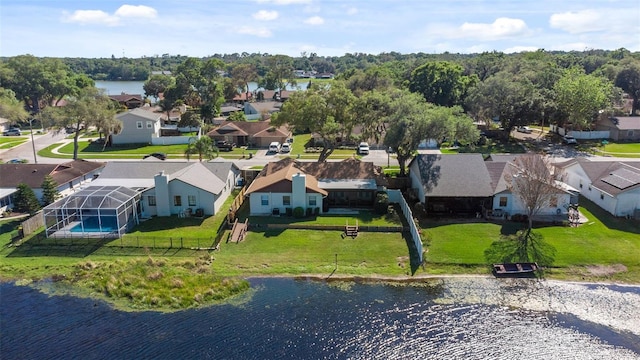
(630, 150)
(491, 147)
(7, 142)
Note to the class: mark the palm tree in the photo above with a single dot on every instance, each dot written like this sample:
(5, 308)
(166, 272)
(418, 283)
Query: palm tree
(203, 147)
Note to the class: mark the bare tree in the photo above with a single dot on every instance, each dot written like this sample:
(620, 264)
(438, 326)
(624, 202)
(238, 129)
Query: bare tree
(531, 180)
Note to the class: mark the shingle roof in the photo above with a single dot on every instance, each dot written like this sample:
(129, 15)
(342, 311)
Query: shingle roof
(461, 175)
(281, 181)
(612, 177)
(33, 174)
(247, 128)
(626, 122)
(150, 115)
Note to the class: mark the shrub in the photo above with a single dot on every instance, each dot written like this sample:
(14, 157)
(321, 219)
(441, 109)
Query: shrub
(316, 211)
(298, 212)
(288, 211)
(382, 202)
(309, 211)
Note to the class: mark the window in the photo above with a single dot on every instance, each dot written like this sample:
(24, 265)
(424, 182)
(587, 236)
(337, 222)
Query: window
(152, 200)
(177, 200)
(192, 200)
(286, 200)
(630, 133)
(601, 196)
(503, 201)
(264, 200)
(589, 187)
(149, 124)
(139, 124)
(553, 201)
(312, 201)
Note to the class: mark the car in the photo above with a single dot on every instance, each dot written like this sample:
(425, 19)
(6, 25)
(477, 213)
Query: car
(569, 140)
(274, 147)
(524, 129)
(16, 161)
(363, 148)
(12, 132)
(223, 145)
(159, 156)
(285, 148)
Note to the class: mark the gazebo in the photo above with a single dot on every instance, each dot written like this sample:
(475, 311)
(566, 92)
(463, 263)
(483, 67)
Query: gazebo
(95, 212)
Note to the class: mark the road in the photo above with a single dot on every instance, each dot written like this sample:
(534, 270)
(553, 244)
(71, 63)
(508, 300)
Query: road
(25, 151)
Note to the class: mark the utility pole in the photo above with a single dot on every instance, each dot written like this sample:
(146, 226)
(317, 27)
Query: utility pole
(33, 143)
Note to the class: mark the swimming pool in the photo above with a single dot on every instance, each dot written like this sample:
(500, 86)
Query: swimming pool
(91, 224)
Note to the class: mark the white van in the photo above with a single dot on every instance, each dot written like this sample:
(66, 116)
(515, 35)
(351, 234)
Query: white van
(274, 147)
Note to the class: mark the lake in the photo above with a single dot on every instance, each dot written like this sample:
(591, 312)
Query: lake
(135, 87)
(461, 318)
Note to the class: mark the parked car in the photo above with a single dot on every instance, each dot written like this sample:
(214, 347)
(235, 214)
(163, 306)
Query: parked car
(363, 148)
(524, 129)
(274, 147)
(224, 145)
(569, 140)
(12, 132)
(285, 148)
(17, 161)
(159, 156)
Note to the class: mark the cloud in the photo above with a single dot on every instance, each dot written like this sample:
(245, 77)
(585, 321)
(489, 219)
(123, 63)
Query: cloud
(91, 17)
(314, 20)
(577, 22)
(499, 29)
(259, 32)
(265, 15)
(99, 17)
(352, 11)
(283, 2)
(519, 49)
(139, 11)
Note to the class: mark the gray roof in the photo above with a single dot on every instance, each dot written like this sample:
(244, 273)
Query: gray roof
(210, 177)
(140, 112)
(612, 177)
(626, 122)
(461, 175)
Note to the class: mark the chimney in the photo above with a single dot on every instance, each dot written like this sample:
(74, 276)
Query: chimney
(163, 201)
(299, 190)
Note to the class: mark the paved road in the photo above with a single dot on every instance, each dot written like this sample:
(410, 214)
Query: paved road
(25, 151)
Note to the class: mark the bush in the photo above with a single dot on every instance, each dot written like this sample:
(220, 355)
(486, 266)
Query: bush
(298, 212)
(316, 211)
(288, 211)
(309, 212)
(382, 203)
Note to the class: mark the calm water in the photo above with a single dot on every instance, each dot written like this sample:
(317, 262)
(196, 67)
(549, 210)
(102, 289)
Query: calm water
(135, 87)
(291, 319)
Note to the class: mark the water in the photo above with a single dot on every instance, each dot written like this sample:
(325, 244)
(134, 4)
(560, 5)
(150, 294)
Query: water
(290, 319)
(136, 87)
(93, 224)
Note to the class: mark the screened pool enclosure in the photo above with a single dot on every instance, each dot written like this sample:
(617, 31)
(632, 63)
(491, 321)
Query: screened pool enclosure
(97, 211)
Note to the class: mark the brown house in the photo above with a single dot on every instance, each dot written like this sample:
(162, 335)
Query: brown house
(130, 101)
(249, 133)
(621, 128)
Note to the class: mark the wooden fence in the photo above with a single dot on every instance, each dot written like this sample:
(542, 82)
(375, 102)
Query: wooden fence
(32, 224)
(237, 202)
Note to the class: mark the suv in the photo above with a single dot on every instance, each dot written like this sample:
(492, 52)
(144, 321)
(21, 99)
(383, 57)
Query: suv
(363, 148)
(12, 132)
(285, 148)
(222, 145)
(569, 140)
(274, 147)
(524, 129)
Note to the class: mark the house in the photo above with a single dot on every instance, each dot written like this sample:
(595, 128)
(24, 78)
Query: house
(288, 184)
(621, 128)
(261, 110)
(249, 133)
(170, 188)
(130, 101)
(138, 127)
(613, 185)
(69, 176)
(468, 184)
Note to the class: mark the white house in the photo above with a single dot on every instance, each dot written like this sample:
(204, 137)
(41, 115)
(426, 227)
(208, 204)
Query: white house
(174, 188)
(612, 185)
(138, 127)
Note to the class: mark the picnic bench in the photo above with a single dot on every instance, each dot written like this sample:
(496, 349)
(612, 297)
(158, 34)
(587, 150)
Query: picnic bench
(350, 230)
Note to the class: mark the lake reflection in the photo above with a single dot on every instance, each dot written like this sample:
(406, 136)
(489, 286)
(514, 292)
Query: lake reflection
(469, 318)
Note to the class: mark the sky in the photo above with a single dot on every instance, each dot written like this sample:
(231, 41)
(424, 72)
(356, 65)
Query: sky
(199, 28)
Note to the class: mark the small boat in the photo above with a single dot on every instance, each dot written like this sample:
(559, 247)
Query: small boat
(515, 269)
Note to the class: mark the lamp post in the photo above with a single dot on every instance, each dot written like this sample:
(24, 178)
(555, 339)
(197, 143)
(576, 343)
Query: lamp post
(33, 144)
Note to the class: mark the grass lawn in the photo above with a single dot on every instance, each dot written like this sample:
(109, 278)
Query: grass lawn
(603, 243)
(491, 147)
(629, 150)
(7, 142)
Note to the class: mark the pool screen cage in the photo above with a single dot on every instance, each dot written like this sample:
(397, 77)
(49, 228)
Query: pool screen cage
(97, 211)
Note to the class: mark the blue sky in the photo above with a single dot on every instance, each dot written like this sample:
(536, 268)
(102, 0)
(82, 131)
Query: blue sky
(135, 28)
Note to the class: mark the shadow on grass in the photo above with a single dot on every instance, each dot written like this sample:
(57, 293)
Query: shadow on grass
(608, 220)
(48, 247)
(414, 255)
(166, 223)
(521, 247)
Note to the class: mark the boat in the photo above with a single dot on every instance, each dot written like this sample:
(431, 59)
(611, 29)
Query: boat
(515, 269)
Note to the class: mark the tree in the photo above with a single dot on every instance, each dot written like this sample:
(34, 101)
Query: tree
(10, 107)
(371, 109)
(50, 191)
(280, 73)
(325, 111)
(203, 147)
(242, 74)
(237, 116)
(581, 96)
(25, 200)
(441, 82)
(157, 84)
(190, 119)
(628, 79)
(530, 180)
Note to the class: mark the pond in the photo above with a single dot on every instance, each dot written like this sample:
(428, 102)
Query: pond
(464, 318)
